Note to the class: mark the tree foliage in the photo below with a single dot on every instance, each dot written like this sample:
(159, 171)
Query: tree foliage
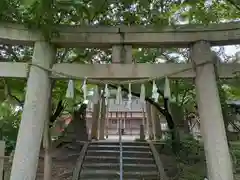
(9, 123)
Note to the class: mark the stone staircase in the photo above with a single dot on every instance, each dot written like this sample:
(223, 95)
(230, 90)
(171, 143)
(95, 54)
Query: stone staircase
(101, 162)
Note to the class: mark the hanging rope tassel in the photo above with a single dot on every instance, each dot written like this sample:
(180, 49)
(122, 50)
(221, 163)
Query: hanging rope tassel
(142, 94)
(167, 90)
(119, 95)
(84, 89)
(70, 89)
(96, 96)
(106, 94)
(129, 103)
(155, 94)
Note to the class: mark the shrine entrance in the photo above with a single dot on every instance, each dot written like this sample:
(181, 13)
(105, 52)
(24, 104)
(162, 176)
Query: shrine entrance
(122, 73)
(130, 129)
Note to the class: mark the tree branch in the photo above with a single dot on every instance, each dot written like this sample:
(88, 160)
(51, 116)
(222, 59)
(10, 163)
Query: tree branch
(184, 95)
(232, 2)
(62, 57)
(58, 111)
(98, 12)
(7, 88)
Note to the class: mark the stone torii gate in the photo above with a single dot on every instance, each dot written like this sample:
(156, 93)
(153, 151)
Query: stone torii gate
(199, 39)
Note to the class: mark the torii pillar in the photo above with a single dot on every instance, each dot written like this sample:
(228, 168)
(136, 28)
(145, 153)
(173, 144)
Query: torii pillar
(35, 113)
(212, 125)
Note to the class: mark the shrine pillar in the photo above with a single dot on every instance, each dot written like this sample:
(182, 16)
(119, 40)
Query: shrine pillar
(153, 120)
(95, 118)
(124, 120)
(35, 113)
(156, 121)
(102, 118)
(149, 120)
(107, 119)
(212, 126)
(2, 153)
(143, 124)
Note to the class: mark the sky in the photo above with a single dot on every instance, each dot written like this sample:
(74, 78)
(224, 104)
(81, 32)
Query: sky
(231, 50)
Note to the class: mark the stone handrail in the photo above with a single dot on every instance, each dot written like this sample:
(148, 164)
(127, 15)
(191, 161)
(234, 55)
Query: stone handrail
(76, 172)
(158, 161)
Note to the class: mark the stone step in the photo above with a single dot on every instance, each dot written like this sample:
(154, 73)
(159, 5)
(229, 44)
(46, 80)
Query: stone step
(116, 147)
(117, 143)
(88, 174)
(118, 178)
(112, 159)
(102, 161)
(115, 166)
(117, 153)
